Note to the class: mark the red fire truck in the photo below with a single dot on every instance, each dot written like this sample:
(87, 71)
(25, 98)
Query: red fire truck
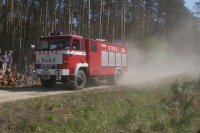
(71, 58)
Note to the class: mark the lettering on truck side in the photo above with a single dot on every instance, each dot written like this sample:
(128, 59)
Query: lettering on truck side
(116, 49)
(113, 48)
(103, 45)
(123, 50)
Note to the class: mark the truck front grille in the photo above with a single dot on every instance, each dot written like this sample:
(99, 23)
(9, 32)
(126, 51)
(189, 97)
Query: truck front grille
(48, 66)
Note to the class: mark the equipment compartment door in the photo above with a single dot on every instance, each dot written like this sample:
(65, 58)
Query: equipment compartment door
(94, 58)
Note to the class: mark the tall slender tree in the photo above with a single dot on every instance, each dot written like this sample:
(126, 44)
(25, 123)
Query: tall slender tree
(88, 18)
(100, 20)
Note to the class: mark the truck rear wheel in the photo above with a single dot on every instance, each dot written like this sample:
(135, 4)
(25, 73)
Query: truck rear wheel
(114, 79)
(80, 80)
(48, 83)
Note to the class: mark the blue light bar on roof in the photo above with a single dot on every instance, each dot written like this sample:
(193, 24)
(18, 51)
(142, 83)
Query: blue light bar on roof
(56, 32)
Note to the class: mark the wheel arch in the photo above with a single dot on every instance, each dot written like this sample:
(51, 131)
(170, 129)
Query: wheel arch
(118, 69)
(81, 66)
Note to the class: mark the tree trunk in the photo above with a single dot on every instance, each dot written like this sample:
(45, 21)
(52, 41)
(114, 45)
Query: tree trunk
(114, 22)
(24, 18)
(121, 21)
(124, 22)
(72, 17)
(88, 26)
(20, 34)
(59, 15)
(100, 16)
(41, 22)
(108, 22)
(82, 18)
(11, 25)
(45, 18)
(53, 16)
(69, 16)
(30, 16)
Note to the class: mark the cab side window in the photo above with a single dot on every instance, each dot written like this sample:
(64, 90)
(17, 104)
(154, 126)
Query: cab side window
(76, 44)
(93, 47)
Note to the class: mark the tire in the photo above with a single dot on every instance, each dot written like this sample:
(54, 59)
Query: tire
(19, 83)
(114, 79)
(80, 80)
(48, 83)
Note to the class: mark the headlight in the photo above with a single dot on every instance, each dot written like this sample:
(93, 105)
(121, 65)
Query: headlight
(34, 71)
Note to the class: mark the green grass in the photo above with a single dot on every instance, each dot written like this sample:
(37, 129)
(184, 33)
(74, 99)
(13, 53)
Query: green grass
(111, 110)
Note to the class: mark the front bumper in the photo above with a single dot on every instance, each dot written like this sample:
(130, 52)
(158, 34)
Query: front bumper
(53, 71)
(47, 73)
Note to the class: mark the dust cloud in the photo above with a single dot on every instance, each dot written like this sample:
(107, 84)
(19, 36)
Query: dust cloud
(167, 56)
(146, 66)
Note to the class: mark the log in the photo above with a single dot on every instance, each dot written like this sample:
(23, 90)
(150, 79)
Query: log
(1, 81)
(17, 75)
(11, 80)
(8, 70)
(5, 82)
(10, 75)
(5, 76)
(13, 84)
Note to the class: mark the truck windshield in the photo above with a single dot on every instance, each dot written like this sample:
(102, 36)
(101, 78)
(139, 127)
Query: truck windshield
(54, 44)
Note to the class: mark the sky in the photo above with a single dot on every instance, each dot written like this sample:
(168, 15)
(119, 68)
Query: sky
(190, 4)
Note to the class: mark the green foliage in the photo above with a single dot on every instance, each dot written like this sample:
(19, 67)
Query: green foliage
(182, 105)
(175, 87)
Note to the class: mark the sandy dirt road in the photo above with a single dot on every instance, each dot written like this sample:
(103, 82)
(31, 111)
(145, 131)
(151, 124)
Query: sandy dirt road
(11, 94)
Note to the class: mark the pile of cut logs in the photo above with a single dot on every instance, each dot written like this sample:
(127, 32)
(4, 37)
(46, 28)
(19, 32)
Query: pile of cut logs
(9, 78)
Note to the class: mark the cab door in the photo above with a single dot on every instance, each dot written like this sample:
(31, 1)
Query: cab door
(77, 52)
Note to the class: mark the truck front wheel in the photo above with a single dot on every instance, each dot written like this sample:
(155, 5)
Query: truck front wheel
(48, 83)
(80, 80)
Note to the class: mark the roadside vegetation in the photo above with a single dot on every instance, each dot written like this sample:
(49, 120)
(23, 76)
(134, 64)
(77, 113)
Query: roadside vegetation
(169, 108)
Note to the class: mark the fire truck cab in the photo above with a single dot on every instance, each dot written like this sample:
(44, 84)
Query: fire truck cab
(73, 59)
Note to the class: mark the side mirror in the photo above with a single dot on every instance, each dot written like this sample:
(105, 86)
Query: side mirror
(66, 48)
